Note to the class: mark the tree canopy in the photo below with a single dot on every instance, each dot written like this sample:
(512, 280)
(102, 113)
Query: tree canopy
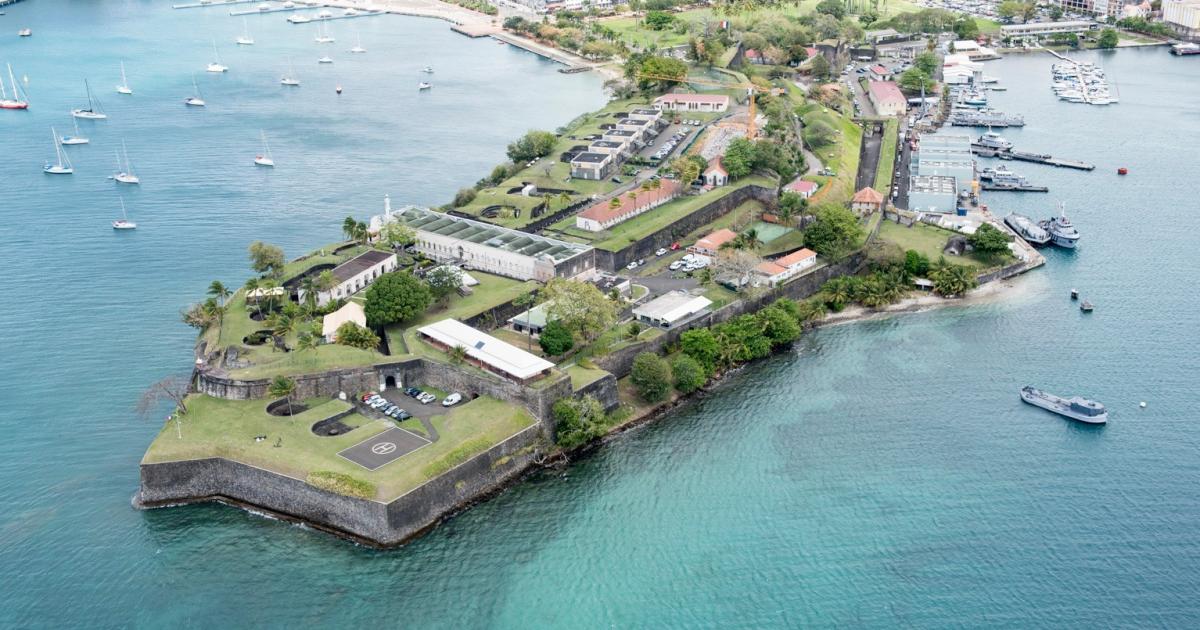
(834, 232)
(988, 239)
(355, 336)
(443, 281)
(651, 376)
(395, 297)
(579, 306)
(266, 258)
(1108, 38)
(739, 158)
(534, 144)
(555, 339)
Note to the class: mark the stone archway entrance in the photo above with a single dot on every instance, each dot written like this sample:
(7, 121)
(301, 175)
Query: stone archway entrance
(389, 382)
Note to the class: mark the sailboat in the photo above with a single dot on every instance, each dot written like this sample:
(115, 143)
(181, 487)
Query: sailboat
(358, 48)
(63, 166)
(75, 139)
(244, 39)
(124, 88)
(290, 77)
(16, 102)
(265, 158)
(325, 59)
(427, 70)
(124, 175)
(195, 100)
(216, 65)
(124, 223)
(323, 36)
(92, 111)
(424, 85)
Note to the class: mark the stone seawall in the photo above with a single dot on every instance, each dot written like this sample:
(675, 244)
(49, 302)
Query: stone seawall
(373, 522)
(645, 248)
(603, 390)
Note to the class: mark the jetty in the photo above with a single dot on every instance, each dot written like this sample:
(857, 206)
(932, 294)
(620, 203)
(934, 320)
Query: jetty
(1013, 187)
(1023, 156)
(210, 3)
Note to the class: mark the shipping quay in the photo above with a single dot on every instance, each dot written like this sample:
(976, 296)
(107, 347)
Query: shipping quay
(1036, 158)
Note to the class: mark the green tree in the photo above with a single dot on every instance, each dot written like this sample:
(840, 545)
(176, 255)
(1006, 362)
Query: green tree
(578, 421)
(282, 387)
(819, 133)
(687, 169)
(778, 325)
(739, 158)
(266, 258)
(281, 325)
(218, 290)
(914, 80)
(835, 231)
(916, 264)
(350, 228)
(395, 297)
(658, 20)
(443, 281)
(1056, 13)
(701, 345)
(966, 28)
(308, 292)
(355, 336)
(689, 374)
(952, 280)
(579, 306)
(463, 197)
(555, 339)
(651, 376)
(832, 7)
(989, 240)
(534, 144)
(1108, 38)
(791, 205)
(926, 61)
(1009, 9)
(820, 66)
(662, 70)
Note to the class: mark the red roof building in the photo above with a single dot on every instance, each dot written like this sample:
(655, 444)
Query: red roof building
(887, 98)
(866, 201)
(603, 214)
(709, 245)
(802, 187)
(716, 175)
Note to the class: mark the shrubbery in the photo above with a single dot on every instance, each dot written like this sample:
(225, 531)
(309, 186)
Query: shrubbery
(341, 483)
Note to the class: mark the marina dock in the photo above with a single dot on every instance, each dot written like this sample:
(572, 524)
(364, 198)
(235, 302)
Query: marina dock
(197, 5)
(1036, 158)
(1004, 188)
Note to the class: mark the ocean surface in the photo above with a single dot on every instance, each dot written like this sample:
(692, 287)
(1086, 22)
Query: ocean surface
(882, 474)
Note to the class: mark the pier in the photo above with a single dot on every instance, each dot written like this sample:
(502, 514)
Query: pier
(1013, 188)
(4, 3)
(1036, 158)
(210, 3)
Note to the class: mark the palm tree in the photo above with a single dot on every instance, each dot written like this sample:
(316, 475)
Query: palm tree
(350, 228)
(837, 293)
(308, 288)
(283, 387)
(564, 198)
(268, 286)
(219, 291)
(281, 325)
(308, 339)
(614, 203)
(750, 239)
(458, 354)
(360, 231)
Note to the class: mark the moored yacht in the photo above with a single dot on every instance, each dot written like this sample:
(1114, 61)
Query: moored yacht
(1075, 407)
(1062, 232)
(124, 223)
(16, 102)
(63, 165)
(92, 111)
(993, 140)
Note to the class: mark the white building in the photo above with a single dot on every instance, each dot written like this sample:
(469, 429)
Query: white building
(671, 309)
(350, 312)
(1037, 30)
(485, 351)
(692, 102)
(1183, 16)
(355, 274)
(491, 248)
(772, 272)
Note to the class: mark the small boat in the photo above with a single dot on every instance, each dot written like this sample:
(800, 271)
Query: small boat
(427, 69)
(264, 7)
(298, 18)
(16, 102)
(338, 89)
(1074, 294)
(264, 159)
(92, 111)
(325, 60)
(1075, 407)
(1122, 171)
(358, 48)
(424, 85)
(350, 12)
(1086, 306)
(289, 5)
(124, 223)
(216, 65)
(290, 79)
(196, 100)
(124, 88)
(124, 174)
(244, 39)
(75, 139)
(323, 36)
(324, 14)
(63, 165)
(25, 32)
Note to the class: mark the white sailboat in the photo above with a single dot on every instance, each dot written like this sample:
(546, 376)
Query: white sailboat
(92, 111)
(244, 39)
(216, 65)
(290, 79)
(358, 47)
(325, 59)
(264, 159)
(124, 88)
(75, 139)
(323, 36)
(124, 223)
(424, 85)
(427, 69)
(124, 174)
(196, 100)
(63, 165)
(16, 102)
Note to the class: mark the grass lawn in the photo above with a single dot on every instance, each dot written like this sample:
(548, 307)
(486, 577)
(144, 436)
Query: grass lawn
(720, 296)
(622, 234)
(887, 158)
(329, 356)
(226, 428)
(927, 239)
(520, 340)
(321, 256)
(582, 377)
(491, 291)
(842, 157)
(794, 239)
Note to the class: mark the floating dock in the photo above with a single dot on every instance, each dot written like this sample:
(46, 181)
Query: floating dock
(1036, 158)
(210, 3)
(1004, 188)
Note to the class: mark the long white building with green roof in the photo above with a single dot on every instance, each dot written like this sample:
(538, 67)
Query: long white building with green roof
(490, 248)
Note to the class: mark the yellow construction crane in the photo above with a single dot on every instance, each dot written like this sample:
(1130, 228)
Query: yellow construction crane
(750, 88)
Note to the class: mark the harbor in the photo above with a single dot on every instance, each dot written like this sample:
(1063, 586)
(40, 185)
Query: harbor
(1024, 156)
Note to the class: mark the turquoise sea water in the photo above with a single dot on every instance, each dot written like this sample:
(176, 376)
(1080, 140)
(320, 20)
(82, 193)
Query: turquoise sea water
(882, 474)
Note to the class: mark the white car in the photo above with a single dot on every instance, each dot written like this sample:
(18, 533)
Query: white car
(452, 399)
(631, 266)
(661, 251)
(675, 265)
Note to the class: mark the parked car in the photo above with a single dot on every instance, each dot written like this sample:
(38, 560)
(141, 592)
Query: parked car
(367, 396)
(631, 266)
(411, 392)
(616, 180)
(661, 251)
(452, 399)
(426, 398)
(675, 265)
